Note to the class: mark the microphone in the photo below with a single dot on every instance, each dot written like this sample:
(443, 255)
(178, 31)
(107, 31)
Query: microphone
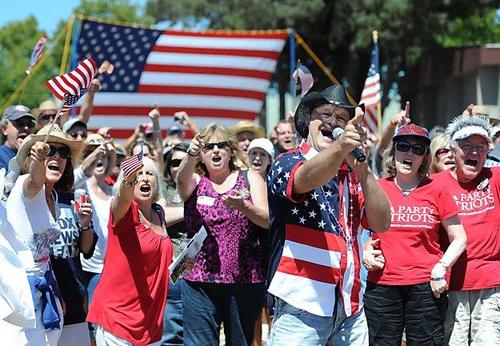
(356, 152)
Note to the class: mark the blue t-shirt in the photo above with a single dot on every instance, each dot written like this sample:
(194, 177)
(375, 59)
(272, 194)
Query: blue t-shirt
(65, 259)
(6, 154)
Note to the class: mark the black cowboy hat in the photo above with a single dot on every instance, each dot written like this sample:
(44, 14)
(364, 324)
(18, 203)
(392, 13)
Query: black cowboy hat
(335, 95)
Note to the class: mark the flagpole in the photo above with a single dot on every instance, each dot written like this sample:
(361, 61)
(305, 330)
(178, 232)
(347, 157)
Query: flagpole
(293, 65)
(67, 41)
(379, 103)
(323, 67)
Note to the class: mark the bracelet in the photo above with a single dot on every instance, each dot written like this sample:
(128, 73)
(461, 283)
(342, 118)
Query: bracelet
(189, 153)
(129, 183)
(86, 228)
(438, 278)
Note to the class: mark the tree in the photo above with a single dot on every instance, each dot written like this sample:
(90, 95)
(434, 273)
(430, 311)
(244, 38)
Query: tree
(340, 31)
(18, 38)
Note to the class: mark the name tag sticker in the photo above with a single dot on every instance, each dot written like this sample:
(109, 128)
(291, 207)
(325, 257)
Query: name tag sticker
(206, 200)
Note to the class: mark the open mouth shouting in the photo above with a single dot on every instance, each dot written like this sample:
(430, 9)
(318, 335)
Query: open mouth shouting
(145, 189)
(256, 164)
(471, 163)
(407, 162)
(53, 166)
(326, 132)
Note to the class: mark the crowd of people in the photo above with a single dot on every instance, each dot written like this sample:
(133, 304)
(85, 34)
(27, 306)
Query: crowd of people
(302, 234)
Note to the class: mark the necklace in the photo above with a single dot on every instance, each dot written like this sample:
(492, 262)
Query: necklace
(151, 225)
(405, 191)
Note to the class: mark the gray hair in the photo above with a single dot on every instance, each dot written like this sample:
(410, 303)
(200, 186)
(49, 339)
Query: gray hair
(159, 178)
(464, 121)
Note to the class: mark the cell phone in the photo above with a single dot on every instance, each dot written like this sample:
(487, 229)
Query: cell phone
(80, 198)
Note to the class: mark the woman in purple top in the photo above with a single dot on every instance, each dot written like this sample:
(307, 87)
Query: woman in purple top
(227, 281)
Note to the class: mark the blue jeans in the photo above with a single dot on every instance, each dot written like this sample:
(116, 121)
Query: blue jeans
(293, 326)
(207, 305)
(173, 316)
(91, 280)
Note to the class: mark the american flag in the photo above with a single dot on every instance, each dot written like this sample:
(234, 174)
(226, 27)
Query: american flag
(309, 257)
(371, 94)
(36, 55)
(70, 86)
(132, 163)
(218, 76)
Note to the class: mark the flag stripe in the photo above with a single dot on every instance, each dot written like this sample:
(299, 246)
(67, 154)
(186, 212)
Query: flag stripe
(218, 51)
(228, 41)
(174, 89)
(256, 35)
(309, 270)
(209, 81)
(143, 110)
(318, 239)
(208, 70)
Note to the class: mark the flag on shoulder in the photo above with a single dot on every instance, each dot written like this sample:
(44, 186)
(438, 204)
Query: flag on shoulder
(371, 93)
(37, 53)
(70, 86)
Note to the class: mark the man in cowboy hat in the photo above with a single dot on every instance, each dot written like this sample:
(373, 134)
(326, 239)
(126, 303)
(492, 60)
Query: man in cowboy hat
(16, 124)
(245, 132)
(320, 196)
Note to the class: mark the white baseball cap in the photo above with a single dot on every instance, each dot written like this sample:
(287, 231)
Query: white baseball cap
(262, 143)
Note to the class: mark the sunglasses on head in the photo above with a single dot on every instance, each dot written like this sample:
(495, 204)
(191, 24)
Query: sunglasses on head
(220, 145)
(175, 163)
(63, 151)
(417, 148)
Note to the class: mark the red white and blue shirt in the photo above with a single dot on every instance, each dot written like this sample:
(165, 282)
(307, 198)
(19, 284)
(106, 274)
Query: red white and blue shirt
(310, 258)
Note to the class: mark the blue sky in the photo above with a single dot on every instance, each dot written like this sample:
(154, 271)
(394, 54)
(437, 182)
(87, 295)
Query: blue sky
(47, 12)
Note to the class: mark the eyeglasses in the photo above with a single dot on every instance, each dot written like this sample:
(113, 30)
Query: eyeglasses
(23, 123)
(480, 148)
(220, 145)
(417, 149)
(442, 151)
(62, 151)
(175, 162)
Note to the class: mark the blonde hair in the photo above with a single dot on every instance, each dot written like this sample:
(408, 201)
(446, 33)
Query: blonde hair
(440, 141)
(220, 132)
(390, 162)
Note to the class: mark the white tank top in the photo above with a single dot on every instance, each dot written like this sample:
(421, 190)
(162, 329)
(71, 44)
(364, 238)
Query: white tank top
(100, 220)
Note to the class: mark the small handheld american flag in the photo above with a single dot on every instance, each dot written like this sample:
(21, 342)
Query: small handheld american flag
(37, 53)
(70, 86)
(133, 163)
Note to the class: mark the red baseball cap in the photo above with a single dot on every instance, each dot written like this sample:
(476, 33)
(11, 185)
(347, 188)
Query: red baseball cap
(413, 131)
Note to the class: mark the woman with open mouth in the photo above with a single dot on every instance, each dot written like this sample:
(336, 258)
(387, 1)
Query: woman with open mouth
(407, 281)
(227, 282)
(33, 213)
(261, 155)
(441, 153)
(129, 300)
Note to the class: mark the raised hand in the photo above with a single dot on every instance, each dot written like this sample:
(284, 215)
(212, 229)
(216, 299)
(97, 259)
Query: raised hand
(39, 151)
(196, 145)
(403, 117)
(154, 113)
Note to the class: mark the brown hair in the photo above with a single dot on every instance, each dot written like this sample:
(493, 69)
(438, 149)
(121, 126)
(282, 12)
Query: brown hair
(390, 164)
(65, 183)
(218, 131)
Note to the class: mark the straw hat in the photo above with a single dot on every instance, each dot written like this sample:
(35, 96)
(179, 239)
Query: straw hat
(47, 105)
(245, 125)
(56, 136)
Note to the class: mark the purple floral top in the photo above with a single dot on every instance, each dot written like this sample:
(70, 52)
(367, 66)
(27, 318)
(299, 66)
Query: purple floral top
(235, 250)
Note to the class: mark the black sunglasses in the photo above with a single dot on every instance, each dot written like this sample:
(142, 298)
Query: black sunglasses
(418, 149)
(62, 151)
(47, 117)
(24, 122)
(175, 163)
(220, 145)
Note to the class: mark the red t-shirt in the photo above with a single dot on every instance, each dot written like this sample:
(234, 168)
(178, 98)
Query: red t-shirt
(129, 300)
(411, 245)
(479, 265)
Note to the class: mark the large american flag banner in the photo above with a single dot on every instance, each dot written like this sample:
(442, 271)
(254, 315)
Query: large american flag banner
(219, 76)
(371, 93)
(309, 256)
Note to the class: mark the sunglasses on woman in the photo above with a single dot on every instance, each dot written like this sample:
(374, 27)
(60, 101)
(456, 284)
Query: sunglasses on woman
(417, 148)
(442, 151)
(63, 151)
(220, 145)
(175, 163)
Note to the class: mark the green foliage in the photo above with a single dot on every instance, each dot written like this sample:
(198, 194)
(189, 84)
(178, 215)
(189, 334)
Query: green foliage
(17, 40)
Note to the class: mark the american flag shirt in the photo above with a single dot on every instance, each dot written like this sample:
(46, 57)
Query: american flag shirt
(311, 263)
